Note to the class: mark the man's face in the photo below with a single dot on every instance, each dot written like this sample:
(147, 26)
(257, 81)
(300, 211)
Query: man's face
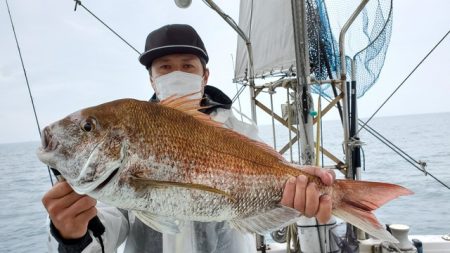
(188, 63)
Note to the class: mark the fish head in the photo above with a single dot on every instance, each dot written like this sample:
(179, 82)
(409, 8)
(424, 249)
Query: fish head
(87, 147)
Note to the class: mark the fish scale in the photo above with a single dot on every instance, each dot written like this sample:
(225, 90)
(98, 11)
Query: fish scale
(169, 163)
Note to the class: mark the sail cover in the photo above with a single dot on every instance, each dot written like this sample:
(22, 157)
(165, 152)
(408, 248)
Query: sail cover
(268, 24)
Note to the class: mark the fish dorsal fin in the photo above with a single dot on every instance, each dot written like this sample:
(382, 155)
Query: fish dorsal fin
(192, 106)
(267, 148)
(164, 184)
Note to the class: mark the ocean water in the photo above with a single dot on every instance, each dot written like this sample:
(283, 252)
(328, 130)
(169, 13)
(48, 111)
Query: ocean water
(424, 138)
(25, 179)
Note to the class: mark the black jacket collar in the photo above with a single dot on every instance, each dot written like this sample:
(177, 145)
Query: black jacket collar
(213, 97)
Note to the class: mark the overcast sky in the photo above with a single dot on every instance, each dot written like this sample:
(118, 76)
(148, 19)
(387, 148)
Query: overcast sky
(73, 61)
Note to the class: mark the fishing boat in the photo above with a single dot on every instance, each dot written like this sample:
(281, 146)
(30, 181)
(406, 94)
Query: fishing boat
(312, 65)
(311, 71)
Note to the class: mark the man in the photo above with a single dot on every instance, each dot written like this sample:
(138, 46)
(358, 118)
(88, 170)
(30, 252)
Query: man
(176, 60)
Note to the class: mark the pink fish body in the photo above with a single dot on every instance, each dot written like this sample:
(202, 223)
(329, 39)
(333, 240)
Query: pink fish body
(170, 163)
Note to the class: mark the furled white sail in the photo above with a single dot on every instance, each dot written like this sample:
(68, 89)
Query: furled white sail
(268, 24)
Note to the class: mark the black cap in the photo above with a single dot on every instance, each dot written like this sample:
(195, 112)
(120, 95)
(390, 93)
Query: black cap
(172, 39)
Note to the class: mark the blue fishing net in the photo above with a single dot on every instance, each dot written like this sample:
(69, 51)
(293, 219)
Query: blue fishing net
(366, 43)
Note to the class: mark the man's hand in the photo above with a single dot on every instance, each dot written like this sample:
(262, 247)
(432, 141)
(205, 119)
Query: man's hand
(306, 198)
(69, 211)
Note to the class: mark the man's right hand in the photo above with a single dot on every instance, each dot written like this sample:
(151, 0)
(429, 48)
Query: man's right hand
(69, 211)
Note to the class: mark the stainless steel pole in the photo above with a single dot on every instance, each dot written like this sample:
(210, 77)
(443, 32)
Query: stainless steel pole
(344, 30)
(303, 89)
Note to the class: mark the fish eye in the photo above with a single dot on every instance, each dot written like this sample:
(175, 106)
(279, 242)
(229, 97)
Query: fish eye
(88, 125)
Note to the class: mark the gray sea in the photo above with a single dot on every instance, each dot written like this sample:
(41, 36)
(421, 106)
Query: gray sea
(25, 179)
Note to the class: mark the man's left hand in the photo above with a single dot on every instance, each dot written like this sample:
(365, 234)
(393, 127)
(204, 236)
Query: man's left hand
(305, 196)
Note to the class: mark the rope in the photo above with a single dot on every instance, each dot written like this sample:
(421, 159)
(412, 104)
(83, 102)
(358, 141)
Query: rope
(318, 128)
(289, 119)
(273, 120)
(317, 225)
(320, 238)
(363, 159)
(26, 79)
(78, 2)
(404, 80)
(322, 155)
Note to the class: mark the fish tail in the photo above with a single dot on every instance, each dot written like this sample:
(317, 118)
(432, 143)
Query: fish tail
(360, 198)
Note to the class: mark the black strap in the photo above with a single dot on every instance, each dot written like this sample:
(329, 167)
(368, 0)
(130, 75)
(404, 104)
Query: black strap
(97, 228)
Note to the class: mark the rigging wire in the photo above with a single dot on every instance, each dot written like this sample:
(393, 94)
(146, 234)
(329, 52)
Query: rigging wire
(78, 2)
(364, 125)
(225, 16)
(26, 79)
(404, 155)
(241, 34)
(373, 131)
(239, 99)
(419, 164)
(221, 13)
(238, 93)
(404, 80)
(95, 225)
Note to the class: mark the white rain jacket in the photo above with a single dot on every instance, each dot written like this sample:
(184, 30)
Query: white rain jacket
(122, 226)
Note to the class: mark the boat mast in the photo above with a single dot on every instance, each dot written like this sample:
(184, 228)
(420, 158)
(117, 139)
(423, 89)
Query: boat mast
(309, 239)
(303, 94)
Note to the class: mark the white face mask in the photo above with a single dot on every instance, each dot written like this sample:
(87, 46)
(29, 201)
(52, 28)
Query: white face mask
(178, 83)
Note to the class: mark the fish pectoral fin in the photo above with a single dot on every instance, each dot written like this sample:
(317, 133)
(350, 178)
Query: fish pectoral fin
(271, 220)
(159, 223)
(139, 181)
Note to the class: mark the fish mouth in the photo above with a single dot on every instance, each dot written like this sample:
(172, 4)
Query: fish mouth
(48, 142)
